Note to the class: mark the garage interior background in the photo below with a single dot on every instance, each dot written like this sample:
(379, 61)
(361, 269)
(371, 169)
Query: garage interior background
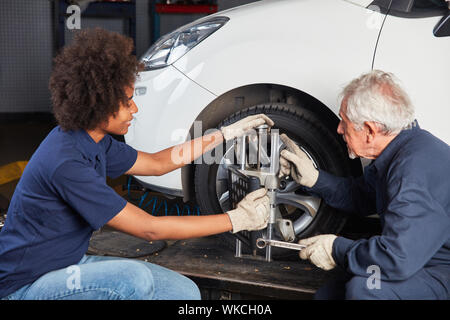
(28, 45)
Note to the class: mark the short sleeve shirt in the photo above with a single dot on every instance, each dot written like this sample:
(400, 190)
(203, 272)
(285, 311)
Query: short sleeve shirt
(61, 198)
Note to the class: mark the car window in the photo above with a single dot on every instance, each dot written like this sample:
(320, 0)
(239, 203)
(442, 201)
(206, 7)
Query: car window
(412, 8)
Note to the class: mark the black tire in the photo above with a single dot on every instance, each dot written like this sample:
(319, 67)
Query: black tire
(321, 142)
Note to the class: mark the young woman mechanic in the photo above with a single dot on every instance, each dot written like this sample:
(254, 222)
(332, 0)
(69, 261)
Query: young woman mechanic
(62, 196)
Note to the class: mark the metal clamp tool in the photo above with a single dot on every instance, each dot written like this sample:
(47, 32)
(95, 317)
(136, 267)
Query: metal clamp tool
(252, 177)
(262, 243)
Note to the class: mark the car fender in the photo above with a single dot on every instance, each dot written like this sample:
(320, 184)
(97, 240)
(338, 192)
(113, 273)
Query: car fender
(314, 46)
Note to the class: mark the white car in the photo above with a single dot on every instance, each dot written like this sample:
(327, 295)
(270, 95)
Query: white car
(288, 59)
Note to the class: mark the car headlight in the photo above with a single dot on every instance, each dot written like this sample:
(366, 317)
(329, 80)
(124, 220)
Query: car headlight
(174, 45)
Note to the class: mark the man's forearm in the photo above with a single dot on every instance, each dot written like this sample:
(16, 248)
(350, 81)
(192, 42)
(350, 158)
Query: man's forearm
(344, 193)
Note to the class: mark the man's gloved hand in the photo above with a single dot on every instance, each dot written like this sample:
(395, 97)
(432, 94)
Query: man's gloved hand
(318, 250)
(238, 128)
(252, 212)
(295, 162)
(285, 168)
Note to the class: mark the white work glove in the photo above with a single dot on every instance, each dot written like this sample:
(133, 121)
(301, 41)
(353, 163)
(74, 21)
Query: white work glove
(295, 162)
(238, 128)
(252, 212)
(318, 250)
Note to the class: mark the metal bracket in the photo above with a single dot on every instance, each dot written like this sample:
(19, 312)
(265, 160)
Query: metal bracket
(286, 229)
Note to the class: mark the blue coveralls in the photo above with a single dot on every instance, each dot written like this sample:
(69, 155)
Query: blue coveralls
(408, 185)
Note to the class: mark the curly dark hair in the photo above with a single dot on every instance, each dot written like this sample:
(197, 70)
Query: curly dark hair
(89, 78)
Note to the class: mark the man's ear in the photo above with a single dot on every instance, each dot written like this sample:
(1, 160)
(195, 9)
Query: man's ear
(371, 130)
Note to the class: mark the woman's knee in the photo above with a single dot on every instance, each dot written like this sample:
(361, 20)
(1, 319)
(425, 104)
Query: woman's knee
(188, 290)
(172, 285)
(179, 287)
(137, 281)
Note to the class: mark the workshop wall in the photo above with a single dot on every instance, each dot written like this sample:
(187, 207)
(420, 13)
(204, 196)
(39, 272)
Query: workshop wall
(28, 46)
(25, 55)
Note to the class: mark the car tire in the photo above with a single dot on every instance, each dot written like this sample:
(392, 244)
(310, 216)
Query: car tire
(320, 141)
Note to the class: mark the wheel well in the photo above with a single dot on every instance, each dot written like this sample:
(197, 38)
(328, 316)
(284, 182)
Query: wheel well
(245, 97)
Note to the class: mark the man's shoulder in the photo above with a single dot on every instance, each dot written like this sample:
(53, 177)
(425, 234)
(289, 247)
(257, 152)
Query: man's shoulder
(423, 146)
(421, 155)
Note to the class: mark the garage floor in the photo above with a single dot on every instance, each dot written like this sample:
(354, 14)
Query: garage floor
(213, 266)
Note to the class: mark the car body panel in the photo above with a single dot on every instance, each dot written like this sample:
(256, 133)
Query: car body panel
(165, 114)
(362, 3)
(408, 49)
(298, 44)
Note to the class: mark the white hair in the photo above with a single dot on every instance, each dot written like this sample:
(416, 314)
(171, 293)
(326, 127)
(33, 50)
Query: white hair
(377, 97)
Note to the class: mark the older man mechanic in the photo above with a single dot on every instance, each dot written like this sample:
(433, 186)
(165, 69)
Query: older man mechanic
(407, 184)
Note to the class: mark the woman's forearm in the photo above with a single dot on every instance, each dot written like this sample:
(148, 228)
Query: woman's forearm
(167, 160)
(178, 156)
(185, 227)
(137, 222)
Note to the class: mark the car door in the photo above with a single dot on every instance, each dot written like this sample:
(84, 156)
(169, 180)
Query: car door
(408, 48)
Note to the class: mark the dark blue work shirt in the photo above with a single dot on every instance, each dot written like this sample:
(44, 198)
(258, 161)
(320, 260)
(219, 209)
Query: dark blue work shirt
(408, 185)
(61, 198)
